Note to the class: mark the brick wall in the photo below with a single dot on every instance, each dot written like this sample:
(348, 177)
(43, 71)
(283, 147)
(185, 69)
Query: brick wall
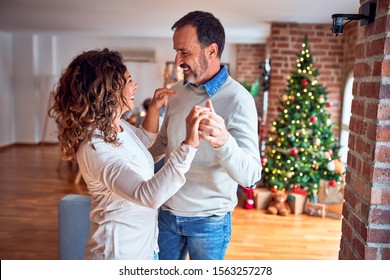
(249, 67)
(366, 222)
(350, 38)
(249, 57)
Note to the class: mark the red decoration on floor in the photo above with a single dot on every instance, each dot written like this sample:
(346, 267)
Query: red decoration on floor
(249, 202)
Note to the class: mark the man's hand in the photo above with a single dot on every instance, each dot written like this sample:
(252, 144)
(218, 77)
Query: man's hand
(213, 129)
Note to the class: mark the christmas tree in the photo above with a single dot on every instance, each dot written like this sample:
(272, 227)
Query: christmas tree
(301, 148)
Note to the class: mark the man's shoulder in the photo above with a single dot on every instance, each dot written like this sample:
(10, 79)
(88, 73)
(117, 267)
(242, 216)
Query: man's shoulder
(234, 89)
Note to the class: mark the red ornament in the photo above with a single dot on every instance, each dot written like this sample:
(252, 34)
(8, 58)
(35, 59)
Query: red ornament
(332, 183)
(304, 83)
(263, 161)
(329, 104)
(294, 152)
(313, 119)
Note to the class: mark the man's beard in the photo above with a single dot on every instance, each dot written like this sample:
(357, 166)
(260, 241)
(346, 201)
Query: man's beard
(192, 76)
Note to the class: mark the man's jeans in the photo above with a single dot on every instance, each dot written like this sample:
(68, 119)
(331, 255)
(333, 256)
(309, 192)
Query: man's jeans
(204, 238)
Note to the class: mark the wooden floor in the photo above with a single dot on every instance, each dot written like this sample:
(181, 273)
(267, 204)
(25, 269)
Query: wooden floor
(33, 179)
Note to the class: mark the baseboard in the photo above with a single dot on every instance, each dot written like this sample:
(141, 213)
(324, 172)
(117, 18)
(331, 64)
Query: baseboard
(48, 143)
(8, 146)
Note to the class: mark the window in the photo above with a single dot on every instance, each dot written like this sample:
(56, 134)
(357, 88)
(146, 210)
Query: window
(345, 117)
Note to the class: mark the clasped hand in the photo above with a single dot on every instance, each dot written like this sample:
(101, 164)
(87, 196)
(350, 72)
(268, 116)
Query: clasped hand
(204, 123)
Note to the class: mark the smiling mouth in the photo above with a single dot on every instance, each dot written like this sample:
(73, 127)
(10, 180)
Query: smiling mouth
(185, 67)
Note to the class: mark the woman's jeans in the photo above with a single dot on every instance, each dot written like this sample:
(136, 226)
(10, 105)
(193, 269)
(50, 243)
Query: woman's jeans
(204, 238)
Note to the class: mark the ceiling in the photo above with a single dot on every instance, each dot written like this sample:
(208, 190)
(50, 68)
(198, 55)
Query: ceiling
(245, 21)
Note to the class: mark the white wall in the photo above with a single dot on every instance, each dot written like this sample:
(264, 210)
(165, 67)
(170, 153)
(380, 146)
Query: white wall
(7, 120)
(30, 65)
(26, 91)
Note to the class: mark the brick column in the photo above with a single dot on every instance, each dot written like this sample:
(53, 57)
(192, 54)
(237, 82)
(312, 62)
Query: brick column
(366, 222)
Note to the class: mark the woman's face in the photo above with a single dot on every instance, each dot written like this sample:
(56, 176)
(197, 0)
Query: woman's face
(129, 91)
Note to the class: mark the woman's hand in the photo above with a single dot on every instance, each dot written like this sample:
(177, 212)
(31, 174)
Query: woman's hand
(160, 98)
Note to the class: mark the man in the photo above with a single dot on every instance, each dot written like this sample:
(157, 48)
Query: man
(197, 219)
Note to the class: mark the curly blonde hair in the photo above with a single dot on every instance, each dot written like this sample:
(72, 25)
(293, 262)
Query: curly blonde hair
(87, 97)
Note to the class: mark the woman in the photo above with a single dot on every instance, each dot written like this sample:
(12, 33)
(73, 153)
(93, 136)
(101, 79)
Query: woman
(92, 94)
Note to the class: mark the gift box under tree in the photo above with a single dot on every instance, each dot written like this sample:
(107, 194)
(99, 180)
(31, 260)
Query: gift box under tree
(297, 200)
(262, 198)
(331, 194)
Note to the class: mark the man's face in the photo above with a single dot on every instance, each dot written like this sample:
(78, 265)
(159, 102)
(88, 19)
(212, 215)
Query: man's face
(190, 55)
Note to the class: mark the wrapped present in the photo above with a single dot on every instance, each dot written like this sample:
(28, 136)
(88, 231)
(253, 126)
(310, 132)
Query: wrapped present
(315, 209)
(334, 210)
(331, 192)
(299, 191)
(297, 202)
(262, 198)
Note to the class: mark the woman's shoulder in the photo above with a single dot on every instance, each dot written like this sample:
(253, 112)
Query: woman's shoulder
(127, 126)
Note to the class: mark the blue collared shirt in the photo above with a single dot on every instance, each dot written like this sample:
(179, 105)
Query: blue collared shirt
(216, 82)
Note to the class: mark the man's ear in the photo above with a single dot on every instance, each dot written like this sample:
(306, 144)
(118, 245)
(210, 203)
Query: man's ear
(212, 50)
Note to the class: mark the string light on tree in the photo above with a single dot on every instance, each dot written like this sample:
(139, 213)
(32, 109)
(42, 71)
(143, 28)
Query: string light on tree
(301, 142)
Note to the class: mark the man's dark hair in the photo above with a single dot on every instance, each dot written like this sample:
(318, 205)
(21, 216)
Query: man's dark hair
(208, 28)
